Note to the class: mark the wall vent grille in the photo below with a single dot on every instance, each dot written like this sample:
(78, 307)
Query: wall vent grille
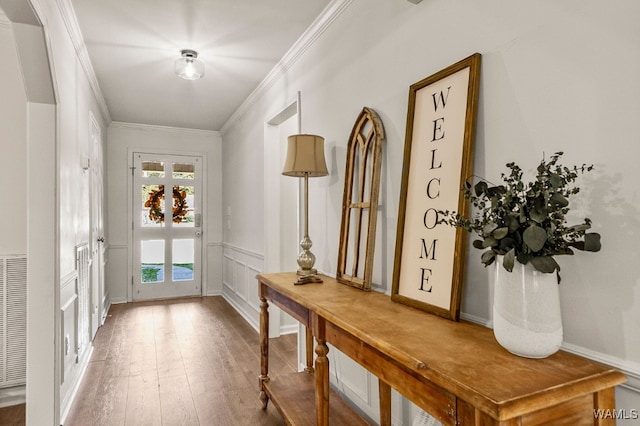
(13, 320)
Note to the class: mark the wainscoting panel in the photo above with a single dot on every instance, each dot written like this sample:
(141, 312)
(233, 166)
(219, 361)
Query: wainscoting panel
(228, 279)
(212, 284)
(75, 327)
(252, 285)
(69, 327)
(239, 285)
(240, 274)
(349, 378)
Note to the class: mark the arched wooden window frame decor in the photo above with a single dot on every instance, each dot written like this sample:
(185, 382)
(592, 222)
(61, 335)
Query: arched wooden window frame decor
(364, 159)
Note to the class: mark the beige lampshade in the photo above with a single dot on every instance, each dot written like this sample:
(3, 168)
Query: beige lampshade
(305, 156)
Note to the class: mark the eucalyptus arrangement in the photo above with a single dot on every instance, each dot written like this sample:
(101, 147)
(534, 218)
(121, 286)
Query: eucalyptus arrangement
(526, 221)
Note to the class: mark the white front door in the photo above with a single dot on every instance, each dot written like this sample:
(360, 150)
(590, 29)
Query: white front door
(167, 226)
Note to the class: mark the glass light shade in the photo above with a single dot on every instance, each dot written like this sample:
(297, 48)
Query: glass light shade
(305, 156)
(188, 66)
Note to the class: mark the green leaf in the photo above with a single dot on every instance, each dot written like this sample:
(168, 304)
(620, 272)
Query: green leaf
(592, 242)
(538, 214)
(524, 258)
(488, 257)
(496, 191)
(489, 242)
(512, 222)
(555, 180)
(534, 237)
(546, 264)
(557, 199)
(480, 188)
(509, 260)
(577, 244)
(500, 233)
(478, 244)
(489, 228)
(507, 244)
(539, 211)
(580, 228)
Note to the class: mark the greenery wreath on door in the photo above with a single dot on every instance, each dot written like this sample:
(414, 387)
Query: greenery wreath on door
(154, 203)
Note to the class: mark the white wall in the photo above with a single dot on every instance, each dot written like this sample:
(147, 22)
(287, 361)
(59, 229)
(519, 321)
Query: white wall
(124, 139)
(75, 101)
(556, 76)
(13, 128)
(13, 173)
(48, 139)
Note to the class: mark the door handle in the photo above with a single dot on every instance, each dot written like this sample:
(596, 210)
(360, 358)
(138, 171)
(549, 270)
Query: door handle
(101, 239)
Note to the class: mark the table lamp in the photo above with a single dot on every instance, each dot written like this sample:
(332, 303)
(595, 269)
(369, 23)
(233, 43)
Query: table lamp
(305, 158)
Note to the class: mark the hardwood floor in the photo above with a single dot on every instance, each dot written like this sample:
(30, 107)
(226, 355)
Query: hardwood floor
(12, 416)
(191, 361)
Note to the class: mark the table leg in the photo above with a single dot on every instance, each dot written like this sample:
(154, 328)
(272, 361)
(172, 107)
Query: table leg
(604, 400)
(309, 350)
(385, 403)
(322, 375)
(264, 350)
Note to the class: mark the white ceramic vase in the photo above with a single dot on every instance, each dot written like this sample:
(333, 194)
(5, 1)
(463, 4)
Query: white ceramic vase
(526, 311)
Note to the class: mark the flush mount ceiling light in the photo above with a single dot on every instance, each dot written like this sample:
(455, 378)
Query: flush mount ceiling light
(188, 66)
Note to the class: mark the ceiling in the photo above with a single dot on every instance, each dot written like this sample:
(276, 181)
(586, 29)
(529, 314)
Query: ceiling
(133, 44)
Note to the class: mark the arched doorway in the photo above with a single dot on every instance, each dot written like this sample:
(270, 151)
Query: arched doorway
(43, 377)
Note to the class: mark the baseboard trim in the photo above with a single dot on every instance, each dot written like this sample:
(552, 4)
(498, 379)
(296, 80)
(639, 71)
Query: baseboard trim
(15, 395)
(289, 329)
(106, 303)
(243, 313)
(66, 407)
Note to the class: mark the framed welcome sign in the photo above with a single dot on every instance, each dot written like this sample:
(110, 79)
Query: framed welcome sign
(438, 158)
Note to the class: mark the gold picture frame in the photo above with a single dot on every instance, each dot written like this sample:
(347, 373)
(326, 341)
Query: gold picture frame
(438, 158)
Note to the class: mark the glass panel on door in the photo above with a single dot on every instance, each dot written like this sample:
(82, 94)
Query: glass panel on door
(183, 255)
(152, 261)
(152, 211)
(183, 212)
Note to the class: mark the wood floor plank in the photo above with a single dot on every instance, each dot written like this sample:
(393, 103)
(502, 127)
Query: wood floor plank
(13, 415)
(176, 402)
(143, 400)
(211, 405)
(109, 405)
(191, 361)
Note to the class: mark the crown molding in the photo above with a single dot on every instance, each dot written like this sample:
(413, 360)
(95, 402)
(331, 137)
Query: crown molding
(73, 28)
(308, 38)
(166, 129)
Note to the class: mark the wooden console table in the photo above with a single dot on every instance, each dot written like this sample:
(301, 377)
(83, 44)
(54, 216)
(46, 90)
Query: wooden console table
(455, 371)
